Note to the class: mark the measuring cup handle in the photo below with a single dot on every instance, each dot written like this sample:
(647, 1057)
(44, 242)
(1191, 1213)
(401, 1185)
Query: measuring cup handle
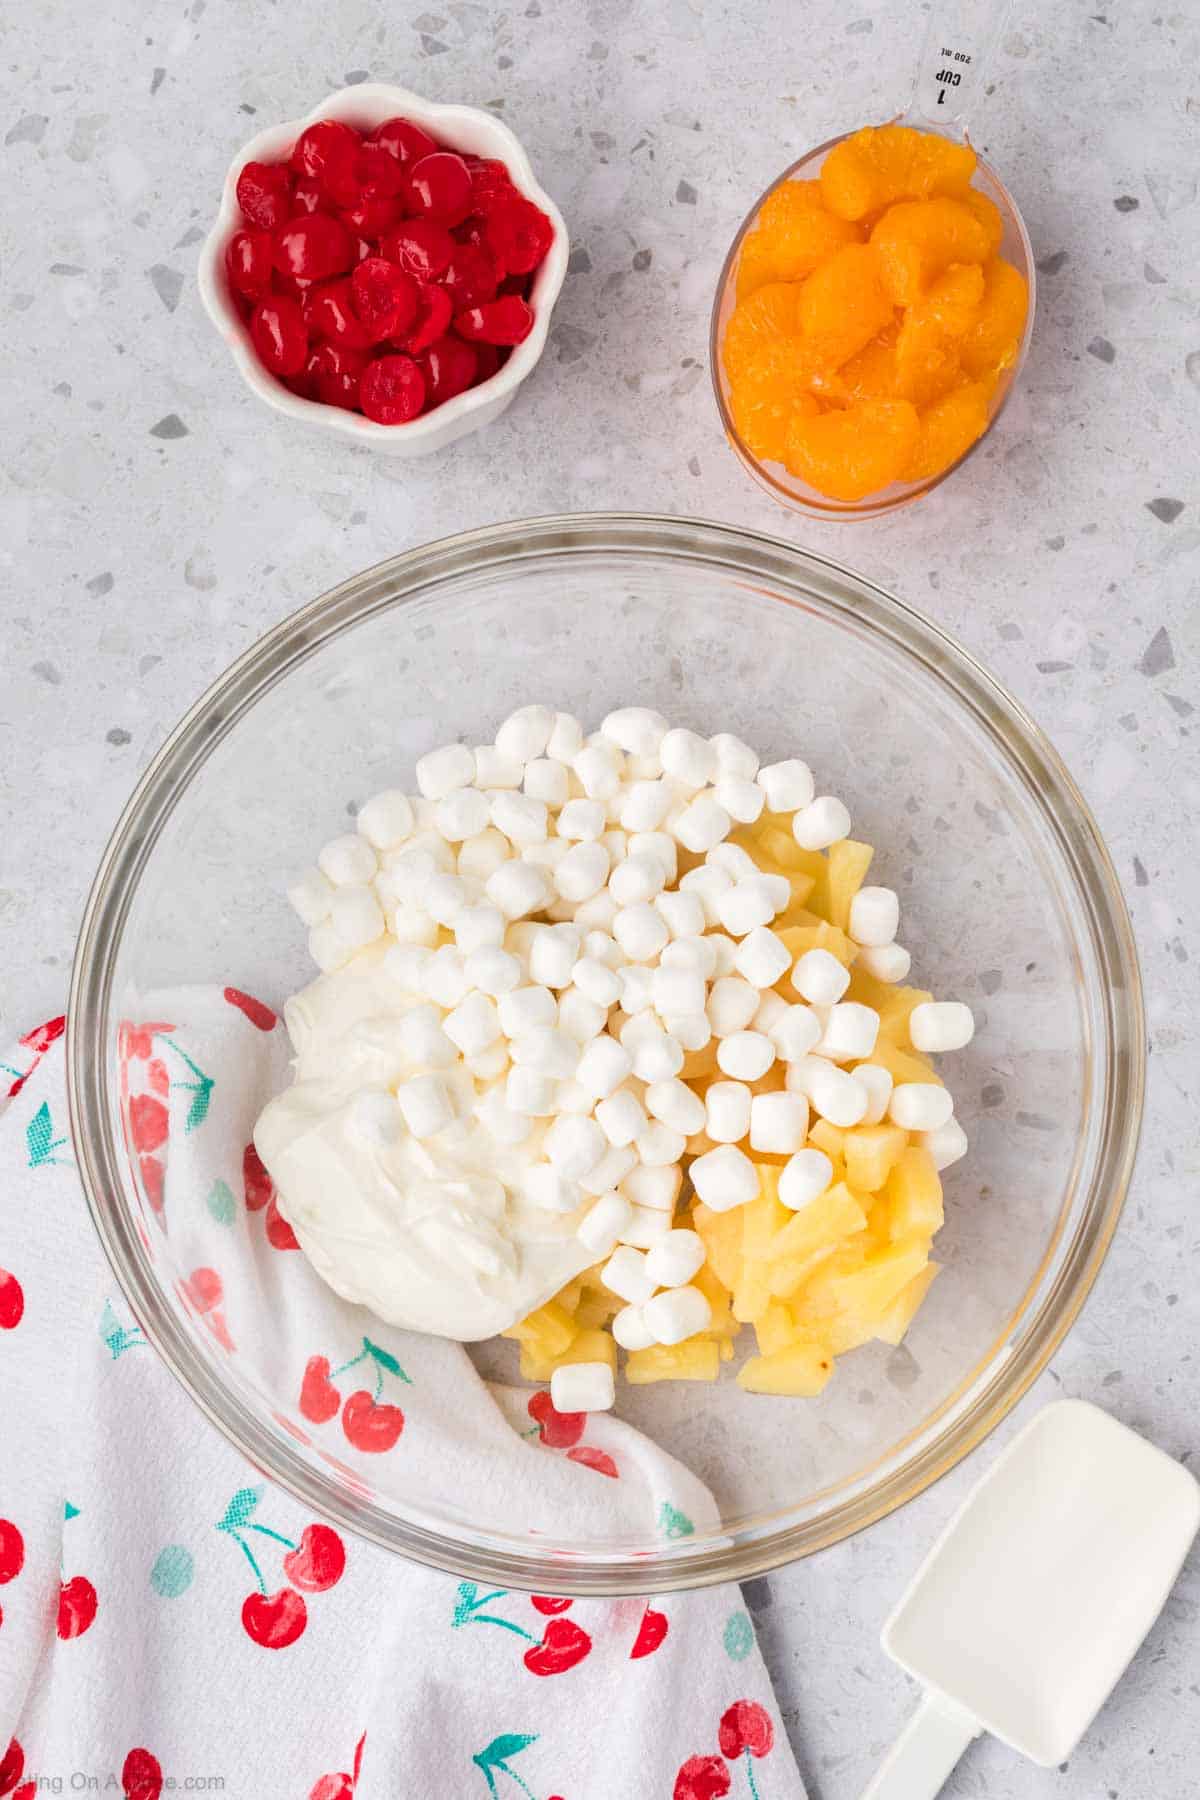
(926, 1751)
(959, 39)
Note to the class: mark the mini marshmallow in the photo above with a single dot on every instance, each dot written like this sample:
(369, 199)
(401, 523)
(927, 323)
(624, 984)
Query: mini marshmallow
(674, 1103)
(603, 949)
(635, 989)
(595, 979)
(938, 1025)
(581, 1018)
(426, 1105)
(707, 883)
(677, 1314)
(407, 875)
(481, 855)
(310, 895)
(691, 1031)
(748, 904)
(806, 1175)
(547, 780)
(441, 771)
(493, 971)
(683, 914)
(444, 897)
(526, 1008)
(850, 1032)
(518, 889)
(689, 759)
(732, 1003)
(694, 953)
(824, 822)
(727, 1106)
(598, 767)
(778, 1123)
(582, 1388)
(636, 880)
(445, 977)
(673, 1262)
(788, 786)
(348, 861)
(462, 814)
(737, 863)
(878, 1083)
(566, 737)
(820, 978)
(734, 757)
(800, 1072)
(745, 1055)
(422, 1039)
(762, 957)
(658, 1058)
(499, 1120)
(574, 1145)
(597, 914)
(356, 916)
(527, 1091)
(473, 1024)
(405, 964)
(630, 1330)
(573, 1099)
(327, 949)
(645, 804)
(375, 1118)
(946, 1145)
(772, 1010)
(874, 916)
(494, 770)
(836, 1095)
(702, 825)
(742, 800)
(677, 991)
(545, 1050)
(609, 1172)
(602, 1224)
(657, 1146)
(582, 820)
(635, 729)
(547, 1188)
(655, 1187)
(646, 1228)
(887, 962)
(410, 925)
(643, 768)
(525, 733)
(724, 1178)
(490, 1064)
(582, 871)
(625, 1275)
(661, 846)
(640, 930)
(386, 819)
(920, 1106)
(478, 928)
(522, 820)
(603, 1066)
(553, 953)
(621, 1117)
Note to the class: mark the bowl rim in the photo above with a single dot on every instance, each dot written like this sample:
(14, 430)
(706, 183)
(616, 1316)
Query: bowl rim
(349, 104)
(811, 503)
(985, 1395)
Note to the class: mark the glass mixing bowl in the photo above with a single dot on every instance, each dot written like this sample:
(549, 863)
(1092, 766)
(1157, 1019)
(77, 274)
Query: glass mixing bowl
(1009, 901)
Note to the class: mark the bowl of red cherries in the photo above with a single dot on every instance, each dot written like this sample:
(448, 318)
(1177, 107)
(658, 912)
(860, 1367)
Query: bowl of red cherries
(385, 268)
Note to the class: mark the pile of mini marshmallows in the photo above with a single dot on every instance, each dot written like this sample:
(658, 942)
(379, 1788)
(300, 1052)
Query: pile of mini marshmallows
(584, 968)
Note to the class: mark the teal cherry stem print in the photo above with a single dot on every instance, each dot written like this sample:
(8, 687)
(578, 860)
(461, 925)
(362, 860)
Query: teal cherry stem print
(563, 1643)
(118, 1337)
(40, 1140)
(493, 1759)
(200, 1087)
(312, 1565)
(468, 1610)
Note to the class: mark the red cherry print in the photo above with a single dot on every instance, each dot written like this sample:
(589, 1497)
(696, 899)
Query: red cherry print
(148, 1122)
(745, 1726)
(448, 367)
(702, 1778)
(12, 1551)
(324, 148)
(280, 1235)
(559, 1430)
(153, 1180)
(392, 390)
(318, 1561)
(505, 321)
(404, 140)
(312, 248)
(257, 1184)
(439, 187)
(421, 247)
(520, 233)
(12, 1301)
(319, 1399)
(141, 1776)
(329, 313)
(385, 298)
(549, 1603)
(274, 1620)
(358, 1755)
(76, 1606)
(333, 1787)
(651, 1632)
(306, 196)
(264, 194)
(334, 372)
(248, 262)
(279, 338)
(220, 1330)
(203, 1289)
(370, 1427)
(41, 1037)
(157, 1076)
(434, 311)
(471, 277)
(12, 1767)
(564, 1643)
(591, 1458)
(371, 213)
(255, 1011)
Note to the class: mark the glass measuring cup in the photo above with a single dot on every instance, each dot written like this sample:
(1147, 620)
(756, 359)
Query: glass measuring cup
(960, 37)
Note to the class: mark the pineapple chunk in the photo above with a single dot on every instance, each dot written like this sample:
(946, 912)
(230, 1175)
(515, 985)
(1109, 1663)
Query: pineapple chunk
(848, 865)
(721, 1233)
(832, 1216)
(723, 1323)
(903, 1065)
(800, 938)
(775, 1328)
(589, 1345)
(547, 1332)
(696, 1359)
(773, 840)
(762, 1221)
(896, 1011)
(791, 1272)
(871, 1152)
(915, 1195)
(829, 1138)
(896, 1319)
(869, 1291)
(801, 1369)
(597, 1311)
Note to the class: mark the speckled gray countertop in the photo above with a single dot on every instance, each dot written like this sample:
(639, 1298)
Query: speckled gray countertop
(154, 521)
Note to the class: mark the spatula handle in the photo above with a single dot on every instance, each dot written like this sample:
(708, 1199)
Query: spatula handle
(926, 1751)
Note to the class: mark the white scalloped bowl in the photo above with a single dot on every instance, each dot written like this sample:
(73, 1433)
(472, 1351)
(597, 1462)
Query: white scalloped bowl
(459, 128)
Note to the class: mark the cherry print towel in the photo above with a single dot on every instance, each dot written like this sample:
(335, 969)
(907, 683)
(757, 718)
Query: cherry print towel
(170, 1621)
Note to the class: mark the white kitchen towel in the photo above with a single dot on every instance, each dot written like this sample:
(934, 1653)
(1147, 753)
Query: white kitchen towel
(170, 1621)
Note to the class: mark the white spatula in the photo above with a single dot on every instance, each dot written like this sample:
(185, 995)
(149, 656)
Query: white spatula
(1031, 1606)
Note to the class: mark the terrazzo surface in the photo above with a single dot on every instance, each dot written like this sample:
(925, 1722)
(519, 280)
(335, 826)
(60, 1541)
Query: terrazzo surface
(154, 520)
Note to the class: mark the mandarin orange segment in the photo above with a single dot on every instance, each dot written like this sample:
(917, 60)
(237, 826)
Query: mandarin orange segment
(989, 216)
(947, 430)
(927, 359)
(850, 454)
(991, 341)
(793, 233)
(758, 324)
(883, 163)
(916, 239)
(843, 304)
(762, 412)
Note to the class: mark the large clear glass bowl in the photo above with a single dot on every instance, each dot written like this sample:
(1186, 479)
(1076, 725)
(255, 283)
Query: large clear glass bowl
(1009, 901)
